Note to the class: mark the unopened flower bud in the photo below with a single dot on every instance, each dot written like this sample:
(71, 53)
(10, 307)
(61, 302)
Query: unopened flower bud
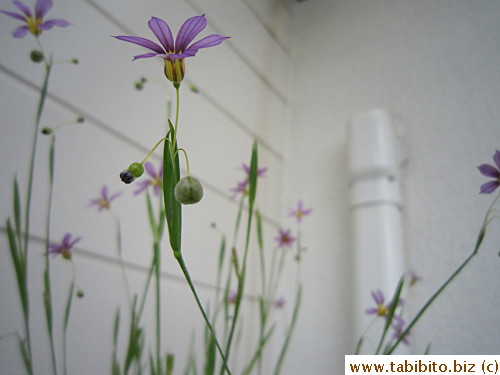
(80, 119)
(136, 169)
(127, 176)
(188, 190)
(47, 131)
(80, 293)
(75, 61)
(36, 56)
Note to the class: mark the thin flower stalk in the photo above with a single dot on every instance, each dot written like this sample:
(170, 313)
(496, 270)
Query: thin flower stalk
(423, 309)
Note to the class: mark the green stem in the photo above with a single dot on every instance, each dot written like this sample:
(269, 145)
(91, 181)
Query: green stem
(47, 283)
(479, 241)
(184, 269)
(158, 306)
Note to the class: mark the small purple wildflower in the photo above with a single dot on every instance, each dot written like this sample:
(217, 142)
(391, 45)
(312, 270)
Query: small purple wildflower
(33, 24)
(261, 172)
(279, 303)
(172, 53)
(231, 298)
(104, 201)
(242, 186)
(489, 170)
(285, 239)
(382, 308)
(299, 212)
(398, 326)
(64, 248)
(414, 278)
(155, 181)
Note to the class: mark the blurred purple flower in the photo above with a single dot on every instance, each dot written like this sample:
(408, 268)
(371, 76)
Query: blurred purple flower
(261, 172)
(398, 326)
(231, 298)
(382, 308)
(285, 239)
(279, 303)
(64, 248)
(104, 201)
(33, 24)
(241, 187)
(299, 212)
(172, 53)
(414, 278)
(489, 170)
(155, 181)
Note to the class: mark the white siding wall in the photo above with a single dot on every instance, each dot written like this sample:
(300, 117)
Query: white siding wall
(243, 94)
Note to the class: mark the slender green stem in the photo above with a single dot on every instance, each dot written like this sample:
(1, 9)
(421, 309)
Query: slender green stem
(184, 269)
(48, 288)
(479, 241)
(153, 149)
(158, 306)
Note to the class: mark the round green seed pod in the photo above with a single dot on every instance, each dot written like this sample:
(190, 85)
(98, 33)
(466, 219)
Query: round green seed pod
(36, 56)
(188, 190)
(136, 169)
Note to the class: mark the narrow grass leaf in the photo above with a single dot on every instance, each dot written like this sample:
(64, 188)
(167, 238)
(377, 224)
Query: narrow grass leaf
(171, 175)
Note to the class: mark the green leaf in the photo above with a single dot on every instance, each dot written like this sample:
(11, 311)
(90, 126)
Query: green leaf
(152, 220)
(68, 306)
(25, 353)
(171, 175)
(252, 178)
(259, 229)
(17, 210)
(390, 313)
(52, 159)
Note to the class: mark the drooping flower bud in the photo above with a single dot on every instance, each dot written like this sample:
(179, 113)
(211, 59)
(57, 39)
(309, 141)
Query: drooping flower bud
(136, 169)
(47, 131)
(188, 190)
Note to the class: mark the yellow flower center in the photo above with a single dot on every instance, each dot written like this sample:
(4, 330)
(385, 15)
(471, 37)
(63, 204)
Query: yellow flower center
(33, 25)
(103, 203)
(382, 310)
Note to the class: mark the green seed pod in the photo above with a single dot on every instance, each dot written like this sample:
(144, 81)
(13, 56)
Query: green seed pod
(188, 190)
(47, 131)
(36, 56)
(136, 169)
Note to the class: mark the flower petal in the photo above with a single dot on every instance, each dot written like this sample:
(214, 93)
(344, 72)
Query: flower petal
(489, 170)
(20, 32)
(42, 7)
(143, 42)
(149, 167)
(162, 32)
(22, 7)
(188, 31)
(147, 55)
(489, 187)
(49, 24)
(105, 192)
(208, 41)
(14, 15)
(496, 158)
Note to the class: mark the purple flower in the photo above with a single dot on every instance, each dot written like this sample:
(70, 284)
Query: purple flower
(398, 326)
(279, 303)
(155, 181)
(285, 239)
(64, 248)
(172, 53)
(382, 309)
(261, 172)
(241, 187)
(34, 24)
(104, 201)
(231, 298)
(299, 212)
(489, 170)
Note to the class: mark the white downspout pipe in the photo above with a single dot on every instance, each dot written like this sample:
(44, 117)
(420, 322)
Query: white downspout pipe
(375, 205)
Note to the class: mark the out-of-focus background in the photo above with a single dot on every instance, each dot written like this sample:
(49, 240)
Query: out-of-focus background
(292, 76)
